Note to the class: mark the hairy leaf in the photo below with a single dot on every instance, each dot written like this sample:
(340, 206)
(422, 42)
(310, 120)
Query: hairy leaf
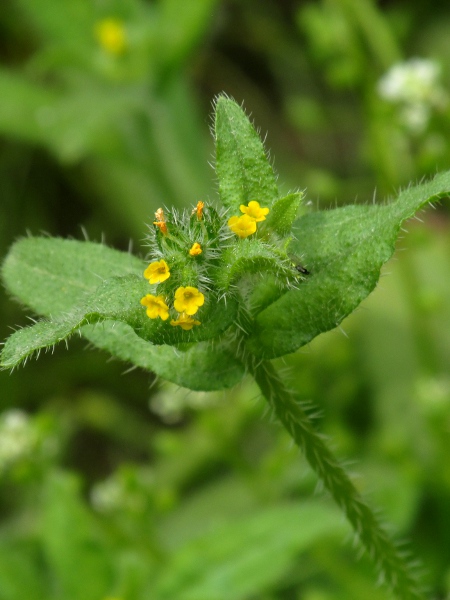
(242, 166)
(250, 256)
(204, 366)
(344, 250)
(52, 275)
(283, 214)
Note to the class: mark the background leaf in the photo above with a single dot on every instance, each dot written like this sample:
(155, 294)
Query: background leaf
(20, 575)
(73, 545)
(247, 555)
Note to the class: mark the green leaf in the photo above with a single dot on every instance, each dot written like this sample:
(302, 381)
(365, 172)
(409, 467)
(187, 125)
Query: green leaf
(283, 214)
(243, 558)
(344, 250)
(117, 299)
(52, 275)
(74, 548)
(21, 573)
(181, 25)
(204, 366)
(23, 105)
(247, 257)
(242, 166)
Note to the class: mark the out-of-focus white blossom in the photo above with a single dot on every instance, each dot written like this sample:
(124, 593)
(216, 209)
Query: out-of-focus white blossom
(415, 87)
(128, 489)
(415, 80)
(18, 437)
(108, 496)
(171, 402)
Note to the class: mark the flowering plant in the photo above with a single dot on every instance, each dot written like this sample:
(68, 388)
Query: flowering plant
(221, 294)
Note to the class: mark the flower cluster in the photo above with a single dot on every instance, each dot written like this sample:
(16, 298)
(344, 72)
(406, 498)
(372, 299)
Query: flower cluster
(195, 260)
(187, 302)
(245, 225)
(187, 299)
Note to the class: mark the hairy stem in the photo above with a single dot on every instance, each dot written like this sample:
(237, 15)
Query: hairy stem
(393, 566)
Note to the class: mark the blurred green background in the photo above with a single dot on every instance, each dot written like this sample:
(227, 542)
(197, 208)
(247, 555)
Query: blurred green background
(114, 486)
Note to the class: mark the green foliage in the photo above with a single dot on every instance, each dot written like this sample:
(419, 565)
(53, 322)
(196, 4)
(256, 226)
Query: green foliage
(283, 214)
(248, 555)
(119, 118)
(69, 538)
(343, 250)
(100, 139)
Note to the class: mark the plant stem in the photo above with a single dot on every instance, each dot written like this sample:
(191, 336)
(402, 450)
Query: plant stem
(393, 566)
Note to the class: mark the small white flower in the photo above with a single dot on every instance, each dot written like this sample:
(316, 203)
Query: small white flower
(17, 437)
(172, 401)
(415, 87)
(107, 496)
(416, 80)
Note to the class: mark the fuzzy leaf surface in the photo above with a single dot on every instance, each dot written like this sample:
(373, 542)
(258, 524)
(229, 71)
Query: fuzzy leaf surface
(344, 250)
(283, 213)
(52, 275)
(250, 256)
(204, 366)
(242, 167)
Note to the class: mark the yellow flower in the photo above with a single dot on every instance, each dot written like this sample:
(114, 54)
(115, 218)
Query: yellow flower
(242, 226)
(188, 300)
(198, 210)
(196, 249)
(157, 272)
(162, 226)
(185, 322)
(160, 221)
(156, 307)
(111, 36)
(254, 211)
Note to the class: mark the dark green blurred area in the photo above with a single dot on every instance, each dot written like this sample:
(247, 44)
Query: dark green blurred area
(116, 486)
